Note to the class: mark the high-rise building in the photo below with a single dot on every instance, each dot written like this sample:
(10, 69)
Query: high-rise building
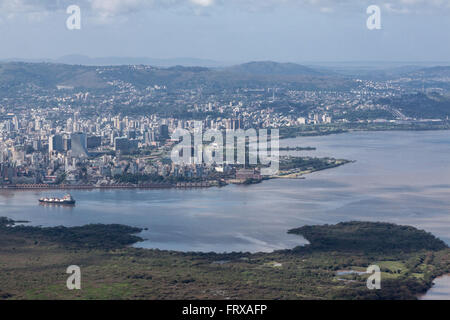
(37, 145)
(131, 134)
(55, 143)
(79, 144)
(94, 142)
(125, 145)
(148, 137)
(121, 144)
(164, 132)
(67, 144)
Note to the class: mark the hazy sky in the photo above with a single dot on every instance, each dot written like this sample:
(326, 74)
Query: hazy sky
(228, 30)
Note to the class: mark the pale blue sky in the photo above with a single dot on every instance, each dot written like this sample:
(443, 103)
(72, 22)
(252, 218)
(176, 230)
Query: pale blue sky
(228, 30)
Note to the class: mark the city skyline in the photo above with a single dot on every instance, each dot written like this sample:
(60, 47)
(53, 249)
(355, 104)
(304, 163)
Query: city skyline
(224, 151)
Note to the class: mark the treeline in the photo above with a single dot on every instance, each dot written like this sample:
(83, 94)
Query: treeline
(89, 236)
(392, 289)
(306, 163)
(337, 128)
(421, 105)
(369, 237)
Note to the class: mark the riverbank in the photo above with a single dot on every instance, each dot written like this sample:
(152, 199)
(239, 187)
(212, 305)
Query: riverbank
(299, 173)
(440, 289)
(409, 259)
(338, 128)
(290, 168)
(181, 185)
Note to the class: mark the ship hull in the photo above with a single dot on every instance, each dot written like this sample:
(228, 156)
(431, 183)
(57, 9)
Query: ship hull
(58, 202)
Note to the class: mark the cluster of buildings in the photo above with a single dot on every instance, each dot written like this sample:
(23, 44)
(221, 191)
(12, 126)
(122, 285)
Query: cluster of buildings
(107, 150)
(95, 137)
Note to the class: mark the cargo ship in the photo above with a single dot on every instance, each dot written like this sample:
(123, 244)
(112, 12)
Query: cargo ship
(66, 200)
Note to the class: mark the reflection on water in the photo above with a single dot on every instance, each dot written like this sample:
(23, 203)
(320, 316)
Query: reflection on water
(399, 177)
(57, 205)
(440, 289)
(349, 272)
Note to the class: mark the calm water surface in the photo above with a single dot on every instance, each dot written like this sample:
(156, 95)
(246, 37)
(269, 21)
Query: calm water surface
(440, 289)
(400, 177)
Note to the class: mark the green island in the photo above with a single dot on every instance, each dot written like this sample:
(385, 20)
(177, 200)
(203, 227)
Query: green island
(297, 167)
(33, 262)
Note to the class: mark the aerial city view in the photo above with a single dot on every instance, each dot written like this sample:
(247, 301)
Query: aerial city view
(202, 150)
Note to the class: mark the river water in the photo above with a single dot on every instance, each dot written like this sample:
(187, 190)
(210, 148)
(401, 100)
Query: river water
(440, 289)
(399, 177)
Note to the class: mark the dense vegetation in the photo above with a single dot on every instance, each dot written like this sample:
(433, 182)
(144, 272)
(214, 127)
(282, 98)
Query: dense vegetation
(335, 128)
(420, 105)
(365, 114)
(33, 263)
(89, 236)
(17, 76)
(369, 237)
(308, 163)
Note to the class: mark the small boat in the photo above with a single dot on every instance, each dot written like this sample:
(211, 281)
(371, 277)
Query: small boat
(66, 200)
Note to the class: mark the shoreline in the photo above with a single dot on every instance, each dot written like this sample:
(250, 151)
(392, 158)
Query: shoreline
(435, 283)
(210, 184)
(112, 244)
(283, 174)
(194, 185)
(335, 129)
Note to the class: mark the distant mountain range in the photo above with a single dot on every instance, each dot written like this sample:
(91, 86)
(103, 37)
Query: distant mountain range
(20, 75)
(76, 59)
(253, 74)
(363, 69)
(255, 67)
